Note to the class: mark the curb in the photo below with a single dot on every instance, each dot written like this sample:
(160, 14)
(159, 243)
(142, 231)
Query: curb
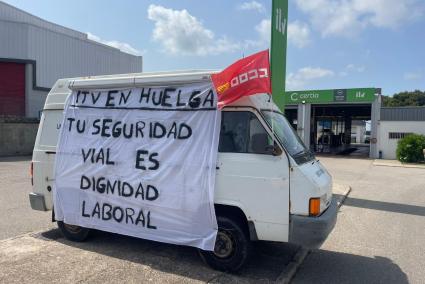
(288, 273)
(383, 163)
(344, 196)
(291, 269)
(400, 166)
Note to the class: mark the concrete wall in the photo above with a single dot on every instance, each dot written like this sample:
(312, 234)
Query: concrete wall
(304, 123)
(375, 117)
(17, 138)
(389, 146)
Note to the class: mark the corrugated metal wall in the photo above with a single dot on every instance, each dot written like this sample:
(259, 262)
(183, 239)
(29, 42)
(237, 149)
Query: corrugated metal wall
(403, 114)
(59, 52)
(14, 40)
(59, 56)
(10, 13)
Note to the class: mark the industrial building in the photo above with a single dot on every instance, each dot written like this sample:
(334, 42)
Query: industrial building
(396, 123)
(34, 53)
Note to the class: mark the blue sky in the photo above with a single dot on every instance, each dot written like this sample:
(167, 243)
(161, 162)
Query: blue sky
(332, 43)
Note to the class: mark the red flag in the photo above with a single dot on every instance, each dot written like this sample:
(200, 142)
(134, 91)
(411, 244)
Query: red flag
(245, 77)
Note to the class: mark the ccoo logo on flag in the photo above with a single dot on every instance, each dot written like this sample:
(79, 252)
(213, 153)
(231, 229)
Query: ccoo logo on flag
(245, 77)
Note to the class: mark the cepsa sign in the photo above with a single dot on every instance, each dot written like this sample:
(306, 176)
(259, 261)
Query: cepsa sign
(245, 77)
(296, 96)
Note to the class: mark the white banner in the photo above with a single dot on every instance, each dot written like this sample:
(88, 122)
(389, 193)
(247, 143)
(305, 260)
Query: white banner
(140, 162)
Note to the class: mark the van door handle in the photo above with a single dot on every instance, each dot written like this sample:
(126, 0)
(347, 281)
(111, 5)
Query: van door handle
(217, 167)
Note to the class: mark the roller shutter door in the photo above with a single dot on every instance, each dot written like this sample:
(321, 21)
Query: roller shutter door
(12, 89)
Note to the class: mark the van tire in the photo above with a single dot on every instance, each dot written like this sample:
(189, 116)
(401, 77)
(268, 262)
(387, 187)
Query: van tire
(231, 233)
(73, 233)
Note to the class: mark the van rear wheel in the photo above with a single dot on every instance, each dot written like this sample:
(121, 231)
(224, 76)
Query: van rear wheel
(232, 247)
(73, 232)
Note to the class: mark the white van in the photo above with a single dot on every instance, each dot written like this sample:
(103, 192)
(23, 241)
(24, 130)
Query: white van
(269, 186)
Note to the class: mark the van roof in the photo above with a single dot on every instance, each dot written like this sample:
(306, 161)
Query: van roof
(62, 88)
(154, 74)
(152, 78)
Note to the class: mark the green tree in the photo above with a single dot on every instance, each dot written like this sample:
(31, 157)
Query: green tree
(410, 148)
(415, 98)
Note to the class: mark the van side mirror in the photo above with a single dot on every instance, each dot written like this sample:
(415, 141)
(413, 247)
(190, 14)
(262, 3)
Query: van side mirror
(273, 150)
(260, 145)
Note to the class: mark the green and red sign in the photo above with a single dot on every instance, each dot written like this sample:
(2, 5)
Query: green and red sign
(279, 26)
(330, 96)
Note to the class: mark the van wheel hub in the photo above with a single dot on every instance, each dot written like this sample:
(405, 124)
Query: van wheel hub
(224, 245)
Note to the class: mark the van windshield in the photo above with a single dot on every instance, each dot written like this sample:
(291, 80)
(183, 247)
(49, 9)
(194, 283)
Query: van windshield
(288, 137)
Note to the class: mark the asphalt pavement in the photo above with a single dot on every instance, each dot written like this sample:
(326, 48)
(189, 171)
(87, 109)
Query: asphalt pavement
(380, 233)
(32, 250)
(16, 215)
(379, 238)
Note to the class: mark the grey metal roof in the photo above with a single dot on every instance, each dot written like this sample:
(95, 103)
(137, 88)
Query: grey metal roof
(403, 113)
(57, 52)
(13, 14)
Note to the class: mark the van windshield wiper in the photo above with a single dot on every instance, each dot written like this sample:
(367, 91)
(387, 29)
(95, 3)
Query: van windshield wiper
(299, 153)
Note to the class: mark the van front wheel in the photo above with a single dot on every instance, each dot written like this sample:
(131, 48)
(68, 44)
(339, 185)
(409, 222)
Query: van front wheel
(232, 247)
(72, 232)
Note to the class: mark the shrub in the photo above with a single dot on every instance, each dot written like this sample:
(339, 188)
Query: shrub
(409, 149)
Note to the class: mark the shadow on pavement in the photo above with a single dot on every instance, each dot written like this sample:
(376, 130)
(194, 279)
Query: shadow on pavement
(385, 206)
(267, 261)
(323, 266)
(15, 158)
(342, 157)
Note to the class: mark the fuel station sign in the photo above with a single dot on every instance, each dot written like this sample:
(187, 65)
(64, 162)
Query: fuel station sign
(331, 96)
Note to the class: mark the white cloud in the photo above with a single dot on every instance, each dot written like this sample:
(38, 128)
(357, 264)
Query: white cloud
(264, 31)
(253, 5)
(390, 13)
(349, 17)
(180, 33)
(413, 75)
(304, 76)
(298, 33)
(351, 68)
(356, 68)
(123, 46)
